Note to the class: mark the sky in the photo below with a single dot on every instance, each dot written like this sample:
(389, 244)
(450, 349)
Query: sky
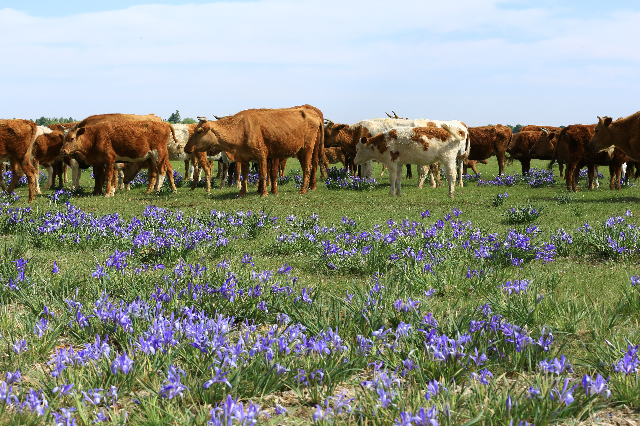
(478, 61)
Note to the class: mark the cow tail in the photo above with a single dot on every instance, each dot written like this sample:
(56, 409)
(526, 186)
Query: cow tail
(34, 136)
(555, 155)
(321, 148)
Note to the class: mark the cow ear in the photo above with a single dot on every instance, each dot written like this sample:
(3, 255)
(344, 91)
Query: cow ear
(552, 135)
(607, 121)
(81, 131)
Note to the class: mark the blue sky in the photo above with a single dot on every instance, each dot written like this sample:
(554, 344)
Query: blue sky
(479, 61)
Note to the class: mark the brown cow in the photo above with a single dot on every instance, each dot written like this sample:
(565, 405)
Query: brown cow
(487, 141)
(258, 134)
(102, 118)
(623, 133)
(16, 143)
(545, 148)
(522, 142)
(108, 142)
(346, 137)
(572, 146)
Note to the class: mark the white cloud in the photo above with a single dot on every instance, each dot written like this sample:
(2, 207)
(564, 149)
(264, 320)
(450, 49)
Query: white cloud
(466, 59)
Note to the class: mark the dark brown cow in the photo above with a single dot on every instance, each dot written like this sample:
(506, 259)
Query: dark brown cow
(16, 143)
(259, 134)
(487, 141)
(107, 142)
(522, 142)
(545, 147)
(572, 147)
(623, 133)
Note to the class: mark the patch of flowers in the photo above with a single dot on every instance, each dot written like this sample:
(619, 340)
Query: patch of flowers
(206, 342)
(522, 215)
(341, 179)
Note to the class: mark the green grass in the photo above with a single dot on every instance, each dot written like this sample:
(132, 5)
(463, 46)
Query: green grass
(585, 296)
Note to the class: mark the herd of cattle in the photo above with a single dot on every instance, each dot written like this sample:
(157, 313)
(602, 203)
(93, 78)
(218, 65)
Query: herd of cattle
(120, 145)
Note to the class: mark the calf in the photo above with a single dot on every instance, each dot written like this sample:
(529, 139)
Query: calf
(472, 164)
(108, 142)
(415, 145)
(334, 155)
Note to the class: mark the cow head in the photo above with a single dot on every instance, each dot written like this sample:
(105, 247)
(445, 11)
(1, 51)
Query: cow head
(131, 170)
(364, 153)
(544, 146)
(334, 134)
(73, 141)
(602, 138)
(203, 137)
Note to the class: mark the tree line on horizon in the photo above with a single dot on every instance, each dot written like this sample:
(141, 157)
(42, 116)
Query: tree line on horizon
(175, 118)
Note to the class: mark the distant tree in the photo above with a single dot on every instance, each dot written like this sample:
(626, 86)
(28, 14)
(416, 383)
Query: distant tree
(174, 118)
(46, 121)
(189, 121)
(516, 128)
(562, 127)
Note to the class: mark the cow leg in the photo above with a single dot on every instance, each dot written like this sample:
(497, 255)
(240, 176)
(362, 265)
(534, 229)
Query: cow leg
(2, 184)
(208, 172)
(195, 172)
(409, 174)
(423, 171)
(152, 173)
(460, 166)
(399, 180)
(186, 169)
(275, 163)
(501, 161)
(560, 166)
(239, 172)
(384, 167)
(16, 175)
(36, 165)
(28, 170)
(305, 158)
(244, 178)
(575, 175)
(225, 171)
(282, 167)
(393, 176)
(108, 176)
(473, 167)
(50, 177)
(590, 176)
(262, 176)
(75, 174)
(435, 172)
(451, 172)
(526, 165)
(219, 172)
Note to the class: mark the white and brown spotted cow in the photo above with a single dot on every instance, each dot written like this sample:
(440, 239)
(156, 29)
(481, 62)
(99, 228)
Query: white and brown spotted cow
(436, 142)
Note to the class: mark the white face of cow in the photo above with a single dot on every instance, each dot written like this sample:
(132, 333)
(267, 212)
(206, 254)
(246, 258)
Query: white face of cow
(363, 153)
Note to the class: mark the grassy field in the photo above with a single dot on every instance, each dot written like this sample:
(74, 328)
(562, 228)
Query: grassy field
(338, 306)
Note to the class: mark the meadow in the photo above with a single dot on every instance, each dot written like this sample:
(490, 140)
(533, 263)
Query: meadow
(513, 303)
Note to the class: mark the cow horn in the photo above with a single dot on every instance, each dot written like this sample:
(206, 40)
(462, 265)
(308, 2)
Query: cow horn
(396, 115)
(545, 131)
(217, 118)
(201, 119)
(326, 120)
(388, 115)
